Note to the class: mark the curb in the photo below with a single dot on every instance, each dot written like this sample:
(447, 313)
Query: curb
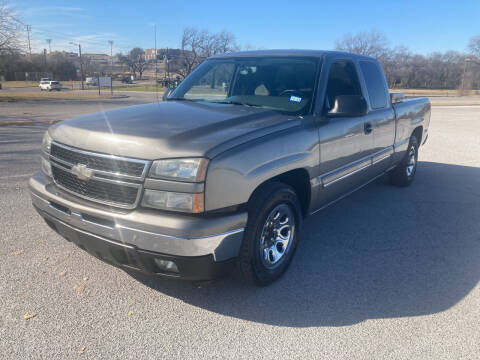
(455, 104)
(20, 122)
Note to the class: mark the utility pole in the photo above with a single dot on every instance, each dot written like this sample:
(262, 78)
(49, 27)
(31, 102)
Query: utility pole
(155, 58)
(111, 66)
(49, 42)
(464, 71)
(81, 64)
(29, 28)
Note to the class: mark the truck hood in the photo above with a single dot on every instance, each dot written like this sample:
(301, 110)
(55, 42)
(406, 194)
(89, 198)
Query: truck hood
(169, 129)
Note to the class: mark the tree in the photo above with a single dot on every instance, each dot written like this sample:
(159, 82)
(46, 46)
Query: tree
(191, 46)
(474, 45)
(370, 43)
(10, 27)
(135, 60)
(197, 45)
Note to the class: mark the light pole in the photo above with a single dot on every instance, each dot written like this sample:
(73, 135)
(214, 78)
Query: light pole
(80, 55)
(111, 66)
(29, 28)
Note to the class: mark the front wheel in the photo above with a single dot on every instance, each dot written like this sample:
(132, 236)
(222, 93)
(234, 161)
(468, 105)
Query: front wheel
(404, 173)
(272, 234)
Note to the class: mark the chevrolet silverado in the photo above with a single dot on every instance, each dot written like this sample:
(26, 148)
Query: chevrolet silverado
(221, 173)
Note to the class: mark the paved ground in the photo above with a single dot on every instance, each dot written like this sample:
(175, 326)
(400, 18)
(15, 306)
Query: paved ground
(385, 273)
(48, 110)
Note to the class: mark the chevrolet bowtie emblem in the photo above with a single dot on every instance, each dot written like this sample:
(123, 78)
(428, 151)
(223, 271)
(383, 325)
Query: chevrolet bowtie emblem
(82, 172)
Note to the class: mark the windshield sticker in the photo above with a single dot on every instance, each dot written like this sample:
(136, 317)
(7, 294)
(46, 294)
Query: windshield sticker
(296, 99)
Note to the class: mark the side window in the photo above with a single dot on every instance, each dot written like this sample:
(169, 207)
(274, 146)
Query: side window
(212, 85)
(375, 84)
(342, 80)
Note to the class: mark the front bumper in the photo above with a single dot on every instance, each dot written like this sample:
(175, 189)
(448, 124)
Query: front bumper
(202, 247)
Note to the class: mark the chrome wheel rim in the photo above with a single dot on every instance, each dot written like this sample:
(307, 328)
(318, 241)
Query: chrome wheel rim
(277, 235)
(412, 162)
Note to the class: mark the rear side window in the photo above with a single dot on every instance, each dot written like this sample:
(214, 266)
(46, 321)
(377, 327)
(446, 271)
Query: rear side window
(375, 84)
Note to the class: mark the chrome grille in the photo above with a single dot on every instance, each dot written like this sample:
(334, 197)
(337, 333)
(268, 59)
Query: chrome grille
(108, 163)
(94, 189)
(114, 180)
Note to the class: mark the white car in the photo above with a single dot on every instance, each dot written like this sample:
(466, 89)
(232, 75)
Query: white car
(50, 85)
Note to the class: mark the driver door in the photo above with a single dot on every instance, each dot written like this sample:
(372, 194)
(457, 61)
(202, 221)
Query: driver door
(345, 142)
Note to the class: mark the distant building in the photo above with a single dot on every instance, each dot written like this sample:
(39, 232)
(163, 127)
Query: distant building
(72, 55)
(150, 54)
(98, 58)
(161, 53)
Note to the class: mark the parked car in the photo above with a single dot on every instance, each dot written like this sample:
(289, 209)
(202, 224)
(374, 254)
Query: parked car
(218, 176)
(94, 81)
(50, 85)
(126, 80)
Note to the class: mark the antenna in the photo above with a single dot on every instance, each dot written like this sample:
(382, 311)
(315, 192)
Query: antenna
(155, 57)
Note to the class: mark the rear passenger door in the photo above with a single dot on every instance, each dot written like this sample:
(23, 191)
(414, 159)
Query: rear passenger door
(381, 117)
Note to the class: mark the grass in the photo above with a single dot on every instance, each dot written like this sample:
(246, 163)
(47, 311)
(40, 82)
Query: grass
(433, 92)
(22, 84)
(67, 95)
(150, 88)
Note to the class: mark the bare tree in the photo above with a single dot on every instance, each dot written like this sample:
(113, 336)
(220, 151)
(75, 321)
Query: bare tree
(135, 60)
(474, 45)
(225, 42)
(197, 45)
(370, 43)
(192, 45)
(10, 27)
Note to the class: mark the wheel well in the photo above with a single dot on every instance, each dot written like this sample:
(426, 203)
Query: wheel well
(418, 132)
(299, 180)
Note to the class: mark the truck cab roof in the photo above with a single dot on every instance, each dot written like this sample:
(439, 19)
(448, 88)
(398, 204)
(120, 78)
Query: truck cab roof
(290, 52)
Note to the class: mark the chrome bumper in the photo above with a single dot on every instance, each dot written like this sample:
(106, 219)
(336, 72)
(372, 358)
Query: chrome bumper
(177, 235)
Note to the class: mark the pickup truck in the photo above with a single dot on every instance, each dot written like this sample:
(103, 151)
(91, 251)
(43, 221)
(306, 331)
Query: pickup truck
(220, 174)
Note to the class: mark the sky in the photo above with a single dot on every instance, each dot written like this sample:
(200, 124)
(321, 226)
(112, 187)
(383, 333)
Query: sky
(424, 26)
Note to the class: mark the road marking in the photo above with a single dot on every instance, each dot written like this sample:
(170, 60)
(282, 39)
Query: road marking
(15, 176)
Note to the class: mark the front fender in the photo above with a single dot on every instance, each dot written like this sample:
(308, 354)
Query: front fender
(234, 175)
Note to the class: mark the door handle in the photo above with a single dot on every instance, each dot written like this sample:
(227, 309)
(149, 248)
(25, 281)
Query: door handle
(367, 128)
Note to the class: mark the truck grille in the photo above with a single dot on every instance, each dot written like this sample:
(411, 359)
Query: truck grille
(96, 190)
(111, 180)
(98, 161)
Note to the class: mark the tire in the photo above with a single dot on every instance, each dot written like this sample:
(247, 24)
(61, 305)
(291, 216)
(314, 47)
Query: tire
(271, 235)
(404, 174)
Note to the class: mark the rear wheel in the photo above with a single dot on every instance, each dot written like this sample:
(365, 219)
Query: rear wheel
(272, 234)
(404, 173)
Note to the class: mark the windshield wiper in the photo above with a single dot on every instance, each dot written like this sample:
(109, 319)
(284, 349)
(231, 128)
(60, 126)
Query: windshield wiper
(235, 103)
(182, 99)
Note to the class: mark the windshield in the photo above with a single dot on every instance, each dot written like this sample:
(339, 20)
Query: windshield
(284, 84)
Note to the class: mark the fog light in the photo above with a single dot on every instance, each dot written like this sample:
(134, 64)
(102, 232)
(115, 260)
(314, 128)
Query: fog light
(166, 265)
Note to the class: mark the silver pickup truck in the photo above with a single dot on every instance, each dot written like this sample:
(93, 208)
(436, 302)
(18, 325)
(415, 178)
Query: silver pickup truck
(222, 172)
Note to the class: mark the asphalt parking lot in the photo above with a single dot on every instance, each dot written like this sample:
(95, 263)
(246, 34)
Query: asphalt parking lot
(385, 273)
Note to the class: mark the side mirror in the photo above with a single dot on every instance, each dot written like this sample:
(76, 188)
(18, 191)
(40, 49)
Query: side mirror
(167, 92)
(348, 106)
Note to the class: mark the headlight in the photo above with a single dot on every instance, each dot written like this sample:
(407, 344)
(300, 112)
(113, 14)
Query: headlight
(46, 143)
(173, 201)
(193, 170)
(46, 167)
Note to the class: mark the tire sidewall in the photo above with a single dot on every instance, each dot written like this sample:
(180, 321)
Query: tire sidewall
(263, 274)
(413, 142)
